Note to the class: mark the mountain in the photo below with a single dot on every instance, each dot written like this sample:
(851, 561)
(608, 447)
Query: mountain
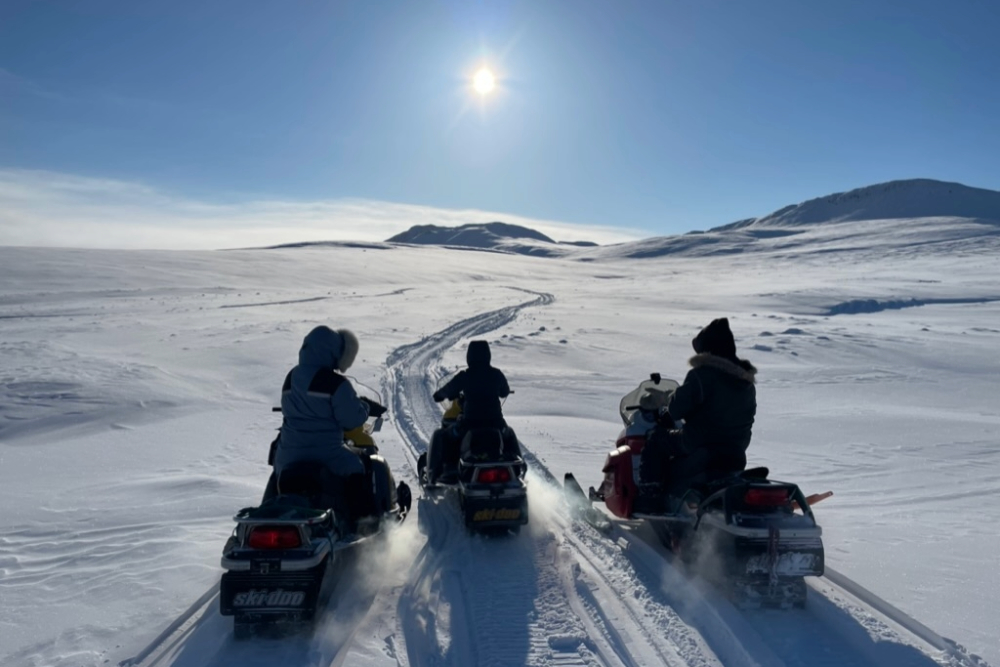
(487, 236)
(917, 215)
(479, 235)
(914, 198)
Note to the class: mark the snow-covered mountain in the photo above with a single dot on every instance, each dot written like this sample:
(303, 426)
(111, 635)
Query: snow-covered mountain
(905, 199)
(907, 216)
(488, 236)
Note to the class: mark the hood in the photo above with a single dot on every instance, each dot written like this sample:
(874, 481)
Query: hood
(740, 368)
(478, 354)
(717, 339)
(323, 347)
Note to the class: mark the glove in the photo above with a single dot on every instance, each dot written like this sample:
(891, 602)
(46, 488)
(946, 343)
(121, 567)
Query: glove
(374, 409)
(653, 400)
(438, 396)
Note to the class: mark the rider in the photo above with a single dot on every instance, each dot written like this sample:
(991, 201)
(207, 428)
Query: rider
(717, 402)
(481, 387)
(318, 404)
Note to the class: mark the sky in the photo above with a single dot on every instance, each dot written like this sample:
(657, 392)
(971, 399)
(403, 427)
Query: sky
(609, 120)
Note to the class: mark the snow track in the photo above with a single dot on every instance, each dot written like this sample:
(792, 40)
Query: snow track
(202, 637)
(535, 599)
(842, 624)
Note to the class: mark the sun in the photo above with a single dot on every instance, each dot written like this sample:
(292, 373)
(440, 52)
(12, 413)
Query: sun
(484, 81)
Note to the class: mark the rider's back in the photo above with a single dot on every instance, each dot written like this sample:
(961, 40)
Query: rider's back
(720, 415)
(318, 403)
(481, 385)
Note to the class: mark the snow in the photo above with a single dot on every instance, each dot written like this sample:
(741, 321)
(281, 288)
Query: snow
(135, 395)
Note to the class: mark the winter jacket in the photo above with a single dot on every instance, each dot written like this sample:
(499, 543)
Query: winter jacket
(718, 402)
(319, 404)
(482, 386)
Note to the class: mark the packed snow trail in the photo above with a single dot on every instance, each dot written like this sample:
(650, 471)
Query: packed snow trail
(523, 600)
(842, 624)
(202, 637)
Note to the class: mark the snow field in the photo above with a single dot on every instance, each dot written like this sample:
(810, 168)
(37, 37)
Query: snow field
(136, 391)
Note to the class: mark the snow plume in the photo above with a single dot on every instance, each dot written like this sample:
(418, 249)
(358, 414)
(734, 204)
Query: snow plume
(389, 561)
(546, 504)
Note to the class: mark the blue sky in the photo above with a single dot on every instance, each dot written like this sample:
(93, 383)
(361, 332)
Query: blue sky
(653, 117)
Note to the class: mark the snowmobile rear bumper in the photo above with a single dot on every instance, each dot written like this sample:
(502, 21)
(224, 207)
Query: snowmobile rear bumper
(272, 597)
(483, 511)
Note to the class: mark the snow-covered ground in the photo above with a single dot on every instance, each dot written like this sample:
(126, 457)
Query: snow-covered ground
(135, 395)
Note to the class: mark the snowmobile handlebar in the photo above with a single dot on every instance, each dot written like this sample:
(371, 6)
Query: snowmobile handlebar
(374, 409)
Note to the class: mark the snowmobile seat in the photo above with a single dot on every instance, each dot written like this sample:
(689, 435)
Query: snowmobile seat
(511, 447)
(301, 479)
(482, 444)
(314, 482)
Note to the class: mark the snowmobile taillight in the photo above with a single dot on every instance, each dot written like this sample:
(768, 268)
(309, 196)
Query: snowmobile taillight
(759, 497)
(274, 537)
(493, 475)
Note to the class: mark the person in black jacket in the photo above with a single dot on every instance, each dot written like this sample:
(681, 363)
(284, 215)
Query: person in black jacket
(718, 403)
(481, 388)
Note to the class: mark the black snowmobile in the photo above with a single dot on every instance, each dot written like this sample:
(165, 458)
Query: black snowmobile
(486, 470)
(285, 556)
(757, 536)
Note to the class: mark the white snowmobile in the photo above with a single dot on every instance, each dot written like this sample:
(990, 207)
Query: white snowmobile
(285, 555)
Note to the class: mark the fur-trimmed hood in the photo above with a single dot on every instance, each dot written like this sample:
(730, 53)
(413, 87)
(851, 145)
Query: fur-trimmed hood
(325, 348)
(742, 369)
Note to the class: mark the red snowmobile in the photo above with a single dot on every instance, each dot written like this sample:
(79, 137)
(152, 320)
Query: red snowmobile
(759, 536)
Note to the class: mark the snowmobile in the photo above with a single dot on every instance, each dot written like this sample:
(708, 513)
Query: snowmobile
(486, 470)
(756, 536)
(285, 556)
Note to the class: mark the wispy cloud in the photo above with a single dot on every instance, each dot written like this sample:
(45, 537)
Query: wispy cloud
(14, 84)
(40, 208)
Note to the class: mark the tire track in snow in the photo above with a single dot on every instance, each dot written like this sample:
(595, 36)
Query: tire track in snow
(830, 631)
(506, 583)
(202, 637)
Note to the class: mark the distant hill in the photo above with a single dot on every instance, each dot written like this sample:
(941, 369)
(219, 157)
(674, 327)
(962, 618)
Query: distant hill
(914, 198)
(916, 214)
(487, 236)
(481, 235)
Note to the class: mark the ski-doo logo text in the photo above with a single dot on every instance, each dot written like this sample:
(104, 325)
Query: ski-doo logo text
(497, 515)
(266, 598)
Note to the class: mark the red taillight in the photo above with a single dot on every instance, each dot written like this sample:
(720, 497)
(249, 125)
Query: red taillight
(493, 475)
(766, 497)
(274, 537)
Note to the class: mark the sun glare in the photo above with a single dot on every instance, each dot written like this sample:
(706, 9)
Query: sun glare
(484, 81)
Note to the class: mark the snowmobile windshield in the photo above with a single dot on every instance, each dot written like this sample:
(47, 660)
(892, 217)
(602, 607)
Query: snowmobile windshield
(630, 401)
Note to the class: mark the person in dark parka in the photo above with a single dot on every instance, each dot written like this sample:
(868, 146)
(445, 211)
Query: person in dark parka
(718, 403)
(481, 388)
